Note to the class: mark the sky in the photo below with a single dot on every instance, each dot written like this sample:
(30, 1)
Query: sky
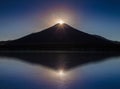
(22, 17)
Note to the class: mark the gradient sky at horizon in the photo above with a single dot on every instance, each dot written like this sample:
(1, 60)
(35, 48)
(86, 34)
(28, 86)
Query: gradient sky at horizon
(21, 17)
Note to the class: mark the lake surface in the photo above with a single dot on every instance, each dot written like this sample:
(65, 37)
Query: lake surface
(59, 71)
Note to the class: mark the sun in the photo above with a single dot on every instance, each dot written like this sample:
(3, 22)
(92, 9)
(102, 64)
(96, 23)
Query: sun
(61, 22)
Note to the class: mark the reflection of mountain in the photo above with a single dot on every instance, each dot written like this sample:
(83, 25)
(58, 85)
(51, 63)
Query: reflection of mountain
(61, 37)
(58, 60)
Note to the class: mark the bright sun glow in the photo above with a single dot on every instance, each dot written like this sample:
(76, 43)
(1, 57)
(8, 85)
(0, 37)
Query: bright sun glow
(60, 22)
(61, 73)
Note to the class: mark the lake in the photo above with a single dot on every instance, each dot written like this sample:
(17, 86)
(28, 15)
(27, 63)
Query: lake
(59, 70)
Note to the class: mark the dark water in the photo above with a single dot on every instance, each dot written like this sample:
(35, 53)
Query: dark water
(59, 71)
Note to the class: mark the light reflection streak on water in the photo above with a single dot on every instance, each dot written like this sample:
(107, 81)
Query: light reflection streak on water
(55, 78)
(40, 74)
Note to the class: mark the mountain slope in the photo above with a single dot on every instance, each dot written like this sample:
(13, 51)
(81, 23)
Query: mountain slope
(61, 37)
(60, 34)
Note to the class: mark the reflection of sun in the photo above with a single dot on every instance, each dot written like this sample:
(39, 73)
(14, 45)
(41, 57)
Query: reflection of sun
(61, 73)
(60, 22)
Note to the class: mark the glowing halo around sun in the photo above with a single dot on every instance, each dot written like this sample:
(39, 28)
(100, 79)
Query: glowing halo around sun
(60, 22)
(60, 15)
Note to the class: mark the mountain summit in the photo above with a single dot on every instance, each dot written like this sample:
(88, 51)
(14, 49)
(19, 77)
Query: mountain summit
(60, 34)
(61, 37)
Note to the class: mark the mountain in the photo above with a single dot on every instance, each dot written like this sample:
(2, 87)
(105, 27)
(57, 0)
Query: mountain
(61, 37)
(57, 61)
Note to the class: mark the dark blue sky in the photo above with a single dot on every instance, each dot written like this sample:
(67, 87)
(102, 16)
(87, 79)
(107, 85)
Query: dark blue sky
(22, 17)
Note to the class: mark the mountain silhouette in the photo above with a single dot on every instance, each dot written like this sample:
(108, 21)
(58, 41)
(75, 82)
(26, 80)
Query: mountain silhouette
(59, 60)
(61, 37)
